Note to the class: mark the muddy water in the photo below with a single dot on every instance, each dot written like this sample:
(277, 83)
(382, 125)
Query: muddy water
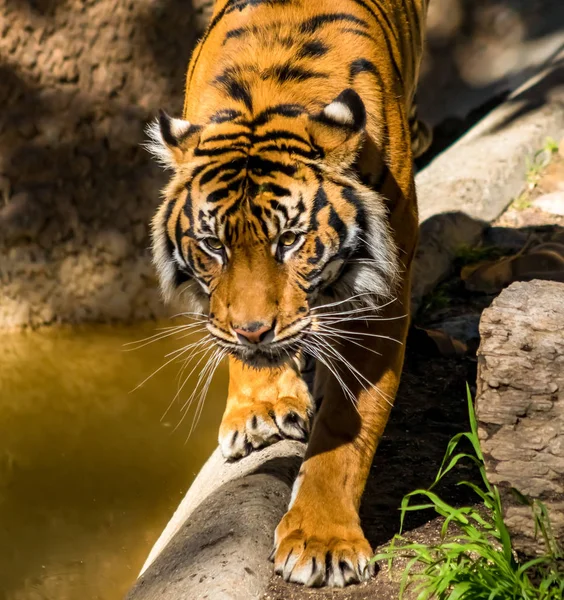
(90, 472)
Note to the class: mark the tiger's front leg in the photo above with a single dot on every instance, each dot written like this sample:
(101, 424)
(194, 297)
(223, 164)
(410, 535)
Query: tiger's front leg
(263, 406)
(320, 541)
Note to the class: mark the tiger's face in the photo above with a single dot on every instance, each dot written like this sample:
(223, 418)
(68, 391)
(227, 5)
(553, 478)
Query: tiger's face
(265, 218)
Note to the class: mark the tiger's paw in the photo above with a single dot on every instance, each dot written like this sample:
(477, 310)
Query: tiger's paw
(316, 553)
(263, 412)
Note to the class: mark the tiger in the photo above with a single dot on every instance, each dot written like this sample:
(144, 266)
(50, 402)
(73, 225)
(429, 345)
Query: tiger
(290, 222)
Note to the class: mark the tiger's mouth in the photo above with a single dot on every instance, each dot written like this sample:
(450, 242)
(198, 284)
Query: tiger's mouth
(272, 353)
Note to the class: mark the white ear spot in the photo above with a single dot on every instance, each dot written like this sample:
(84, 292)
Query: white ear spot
(179, 127)
(339, 112)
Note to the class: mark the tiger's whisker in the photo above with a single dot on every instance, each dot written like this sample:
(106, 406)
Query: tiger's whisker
(318, 354)
(187, 361)
(204, 393)
(186, 406)
(159, 336)
(342, 301)
(356, 373)
(182, 350)
(357, 334)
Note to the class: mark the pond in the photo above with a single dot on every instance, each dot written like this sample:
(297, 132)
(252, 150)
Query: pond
(91, 471)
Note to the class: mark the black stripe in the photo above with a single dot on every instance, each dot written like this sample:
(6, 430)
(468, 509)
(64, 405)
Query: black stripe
(226, 114)
(357, 32)
(237, 89)
(362, 65)
(240, 32)
(278, 190)
(225, 137)
(290, 149)
(279, 134)
(338, 224)
(280, 208)
(314, 273)
(168, 214)
(312, 24)
(256, 210)
(223, 193)
(242, 4)
(222, 150)
(180, 277)
(319, 202)
(284, 110)
(319, 252)
(178, 233)
(187, 207)
(289, 72)
(349, 194)
(313, 49)
(237, 165)
(229, 174)
(236, 33)
(232, 209)
(264, 166)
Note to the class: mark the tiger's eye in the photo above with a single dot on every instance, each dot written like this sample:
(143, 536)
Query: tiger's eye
(214, 243)
(288, 238)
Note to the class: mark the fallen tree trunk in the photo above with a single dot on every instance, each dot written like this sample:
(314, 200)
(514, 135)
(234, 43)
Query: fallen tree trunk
(217, 543)
(520, 403)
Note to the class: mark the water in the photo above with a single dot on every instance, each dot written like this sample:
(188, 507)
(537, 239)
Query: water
(89, 473)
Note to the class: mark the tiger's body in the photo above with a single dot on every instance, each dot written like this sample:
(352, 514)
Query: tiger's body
(293, 192)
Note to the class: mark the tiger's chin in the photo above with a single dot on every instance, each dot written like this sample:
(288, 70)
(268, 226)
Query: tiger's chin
(267, 357)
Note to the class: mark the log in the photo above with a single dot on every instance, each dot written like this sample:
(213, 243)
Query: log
(520, 404)
(218, 542)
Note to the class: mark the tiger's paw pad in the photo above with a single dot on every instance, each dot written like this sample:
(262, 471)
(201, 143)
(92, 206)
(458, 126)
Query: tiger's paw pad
(255, 425)
(317, 560)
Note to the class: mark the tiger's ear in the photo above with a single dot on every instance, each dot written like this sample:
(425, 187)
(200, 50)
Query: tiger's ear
(171, 140)
(338, 130)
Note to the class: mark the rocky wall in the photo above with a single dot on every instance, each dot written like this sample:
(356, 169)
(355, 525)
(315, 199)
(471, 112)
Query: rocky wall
(79, 79)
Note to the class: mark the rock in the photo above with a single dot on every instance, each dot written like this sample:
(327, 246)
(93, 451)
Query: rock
(551, 203)
(520, 403)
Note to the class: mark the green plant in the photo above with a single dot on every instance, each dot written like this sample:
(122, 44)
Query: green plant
(474, 559)
(539, 162)
(522, 201)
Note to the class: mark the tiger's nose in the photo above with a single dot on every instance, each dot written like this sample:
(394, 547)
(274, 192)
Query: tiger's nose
(255, 333)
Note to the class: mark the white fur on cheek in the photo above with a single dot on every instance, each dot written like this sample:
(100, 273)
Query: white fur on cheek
(164, 264)
(376, 276)
(191, 292)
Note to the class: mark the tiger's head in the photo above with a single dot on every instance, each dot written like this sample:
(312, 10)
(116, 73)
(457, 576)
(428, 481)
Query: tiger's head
(264, 218)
